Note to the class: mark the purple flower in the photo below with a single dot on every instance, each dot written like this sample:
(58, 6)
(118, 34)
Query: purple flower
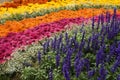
(102, 72)
(50, 75)
(65, 71)
(57, 59)
(39, 56)
(87, 64)
(93, 23)
(115, 65)
(102, 19)
(98, 23)
(78, 63)
(82, 28)
(91, 73)
(118, 77)
(88, 44)
(83, 35)
(95, 41)
(81, 45)
(100, 56)
(79, 67)
(118, 50)
(44, 48)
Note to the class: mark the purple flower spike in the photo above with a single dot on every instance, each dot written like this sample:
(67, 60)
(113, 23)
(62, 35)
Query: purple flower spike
(102, 73)
(39, 56)
(50, 75)
(91, 73)
(87, 64)
(57, 59)
(93, 23)
(66, 71)
(118, 77)
(100, 56)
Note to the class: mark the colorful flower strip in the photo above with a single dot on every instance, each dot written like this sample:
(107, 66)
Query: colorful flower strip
(18, 26)
(23, 2)
(19, 17)
(16, 3)
(27, 56)
(33, 8)
(15, 40)
(26, 52)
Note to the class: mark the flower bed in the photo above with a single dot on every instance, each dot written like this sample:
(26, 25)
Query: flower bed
(18, 26)
(68, 40)
(85, 53)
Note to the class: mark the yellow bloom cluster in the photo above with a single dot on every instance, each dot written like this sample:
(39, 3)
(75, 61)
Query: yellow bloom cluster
(30, 8)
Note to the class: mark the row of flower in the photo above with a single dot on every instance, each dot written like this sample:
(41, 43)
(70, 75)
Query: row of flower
(15, 40)
(87, 52)
(18, 26)
(41, 9)
(16, 3)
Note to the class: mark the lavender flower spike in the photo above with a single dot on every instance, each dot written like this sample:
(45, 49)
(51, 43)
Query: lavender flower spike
(118, 77)
(39, 56)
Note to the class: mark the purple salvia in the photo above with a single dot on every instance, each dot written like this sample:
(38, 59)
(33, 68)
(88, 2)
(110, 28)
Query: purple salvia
(117, 50)
(68, 57)
(102, 19)
(81, 45)
(47, 45)
(115, 65)
(57, 59)
(95, 41)
(82, 28)
(65, 71)
(77, 63)
(102, 40)
(62, 48)
(98, 23)
(57, 45)
(108, 17)
(118, 77)
(91, 73)
(50, 75)
(112, 52)
(100, 56)
(83, 35)
(102, 72)
(78, 57)
(115, 10)
(66, 36)
(88, 44)
(75, 34)
(55, 41)
(76, 45)
(99, 78)
(93, 23)
(39, 56)
(44, 48)
(87, 64)
(79, 67)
